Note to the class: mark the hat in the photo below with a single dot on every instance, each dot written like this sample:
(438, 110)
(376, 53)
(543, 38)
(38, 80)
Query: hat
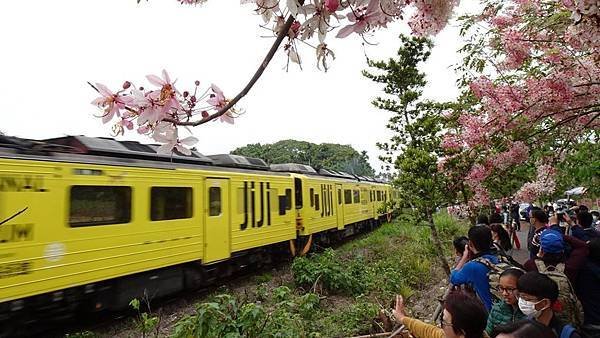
(551, 241)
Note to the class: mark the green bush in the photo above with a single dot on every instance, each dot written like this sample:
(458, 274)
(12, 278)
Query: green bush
(334, 274)
(394, 259)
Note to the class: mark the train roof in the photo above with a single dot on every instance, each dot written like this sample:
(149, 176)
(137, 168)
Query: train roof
(108, 151)
(294, 168)
(105, 146)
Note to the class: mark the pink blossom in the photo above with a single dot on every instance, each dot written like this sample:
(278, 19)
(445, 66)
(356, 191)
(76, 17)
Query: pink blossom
(473, 129)
(476, 176)
(450, 142)
(543, 184)
(332, 5)
(362, 18)
(481, 86)
(218, 100)
(431, 16)
(503, 21)
(517, 153)
(166, 97)
(516, 47)
(112, 103)
(168, 135)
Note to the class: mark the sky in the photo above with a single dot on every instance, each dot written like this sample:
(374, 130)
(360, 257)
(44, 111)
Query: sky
(50, 49)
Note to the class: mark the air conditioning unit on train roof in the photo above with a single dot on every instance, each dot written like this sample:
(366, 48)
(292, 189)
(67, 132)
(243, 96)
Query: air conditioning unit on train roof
(335, 173)
(238, 161)
(105, 146)
(293, 168)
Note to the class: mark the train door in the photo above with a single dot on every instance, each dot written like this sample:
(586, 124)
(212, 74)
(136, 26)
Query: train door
(217, 245)
(339, 206)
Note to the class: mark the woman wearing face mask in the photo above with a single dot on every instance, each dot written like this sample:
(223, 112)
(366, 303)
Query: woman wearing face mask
(464, 316)
(537, 296)
(506, 311)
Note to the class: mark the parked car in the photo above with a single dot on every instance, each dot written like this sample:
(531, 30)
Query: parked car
(523, 209)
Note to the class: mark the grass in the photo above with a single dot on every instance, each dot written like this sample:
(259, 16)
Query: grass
(334, 293)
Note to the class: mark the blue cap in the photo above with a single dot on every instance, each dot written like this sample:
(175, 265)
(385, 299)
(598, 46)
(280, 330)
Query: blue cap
(551, 241)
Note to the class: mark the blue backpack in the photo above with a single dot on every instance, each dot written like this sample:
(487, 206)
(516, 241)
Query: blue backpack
(566, 331)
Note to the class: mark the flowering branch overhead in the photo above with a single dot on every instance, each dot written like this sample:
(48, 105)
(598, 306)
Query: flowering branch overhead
(159, 112)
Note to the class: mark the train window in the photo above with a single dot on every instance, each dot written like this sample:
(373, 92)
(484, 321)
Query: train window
(317, 205)
(356, 196)
(99, 205)
(282, 205)
(298, 188)
(339, 196)
(288, 198)
(214, 201)
(347, 196)
(363, 194)
(312, 197)
(170, 203)
(378, 195)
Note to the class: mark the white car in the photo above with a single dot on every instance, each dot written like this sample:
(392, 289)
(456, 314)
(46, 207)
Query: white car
(523, 207)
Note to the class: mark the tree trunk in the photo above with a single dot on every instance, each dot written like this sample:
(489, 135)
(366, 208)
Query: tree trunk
(437, 243)
(472, 217)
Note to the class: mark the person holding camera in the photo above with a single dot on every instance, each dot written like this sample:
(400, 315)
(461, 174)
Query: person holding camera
(583, 230)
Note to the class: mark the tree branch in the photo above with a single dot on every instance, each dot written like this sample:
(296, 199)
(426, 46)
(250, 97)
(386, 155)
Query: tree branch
(280, 36)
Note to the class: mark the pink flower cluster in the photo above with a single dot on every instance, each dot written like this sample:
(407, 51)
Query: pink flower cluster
(473, 129)
(543, 184)
(431, 16)
(517, 153)
(516, 47)
(451, 142)
(157, 111)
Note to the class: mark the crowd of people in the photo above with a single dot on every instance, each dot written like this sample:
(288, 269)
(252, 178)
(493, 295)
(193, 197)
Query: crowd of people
(555, 293)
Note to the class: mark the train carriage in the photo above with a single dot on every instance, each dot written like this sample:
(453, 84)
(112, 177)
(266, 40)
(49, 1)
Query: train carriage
(90, 223)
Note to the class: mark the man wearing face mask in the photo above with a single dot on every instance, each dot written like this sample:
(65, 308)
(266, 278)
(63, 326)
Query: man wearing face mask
(537, 296)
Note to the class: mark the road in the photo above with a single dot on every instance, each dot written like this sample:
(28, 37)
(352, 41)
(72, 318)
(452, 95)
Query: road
(522, 255)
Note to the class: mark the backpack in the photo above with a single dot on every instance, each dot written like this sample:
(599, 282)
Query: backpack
(572, 311)
(494, 272)
(566, 331)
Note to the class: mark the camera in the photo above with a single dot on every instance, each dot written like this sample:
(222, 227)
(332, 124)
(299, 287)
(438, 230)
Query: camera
(560, 214)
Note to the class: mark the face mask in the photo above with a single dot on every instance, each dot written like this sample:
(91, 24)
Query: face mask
(528, 308)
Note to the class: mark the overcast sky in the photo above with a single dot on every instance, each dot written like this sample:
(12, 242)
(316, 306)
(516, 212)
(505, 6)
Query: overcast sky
(51, 48)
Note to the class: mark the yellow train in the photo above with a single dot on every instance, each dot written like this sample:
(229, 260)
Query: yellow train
(90, 223)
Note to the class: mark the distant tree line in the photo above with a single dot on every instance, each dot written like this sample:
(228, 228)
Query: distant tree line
(324, 155)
